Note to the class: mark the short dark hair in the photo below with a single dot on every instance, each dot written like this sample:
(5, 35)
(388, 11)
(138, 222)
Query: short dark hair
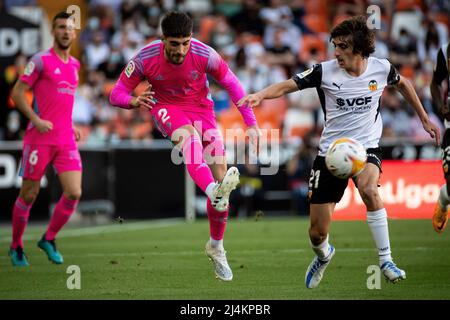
(362, 38)
(176, 24)
(60, 15)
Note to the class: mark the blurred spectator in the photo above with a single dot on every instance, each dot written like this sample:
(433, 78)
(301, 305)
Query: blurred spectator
(100, 133)
(19, 3)
(220, 97)
(248, 19)
(275, 12)
(132, 125)
(404, 50)
(298, 12)
(429, 42)
(222, 35)
(289, 34)
(113, 66)
(128, 39)
(395, 114)
(252, 69)
(381, 43)
(279, 54)
(87, 34)
(114, 4)
(84, 109)
(263, 41)
(127, 9)
(348, 7)
(298, 170)
(13, 126)
(97, 51)
(305, 112)
(249, 195)
(253, 48)
(13, 122)
(227, 8)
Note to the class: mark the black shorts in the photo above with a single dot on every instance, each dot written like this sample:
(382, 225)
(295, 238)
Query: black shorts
(326, 188)
(445, 146)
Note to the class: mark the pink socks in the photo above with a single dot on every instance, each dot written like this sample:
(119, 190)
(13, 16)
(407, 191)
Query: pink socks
(195, 162)
(63, 210)
(21, 212)
(217, 221)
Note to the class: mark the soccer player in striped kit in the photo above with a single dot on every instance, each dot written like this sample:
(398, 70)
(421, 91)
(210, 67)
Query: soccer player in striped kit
(349, 88)
(182, 109)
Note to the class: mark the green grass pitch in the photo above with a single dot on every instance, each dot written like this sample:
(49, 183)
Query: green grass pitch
(165, 260)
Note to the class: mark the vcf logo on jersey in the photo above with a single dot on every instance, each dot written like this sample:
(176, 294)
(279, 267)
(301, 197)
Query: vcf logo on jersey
(351, 102)
(373, 85)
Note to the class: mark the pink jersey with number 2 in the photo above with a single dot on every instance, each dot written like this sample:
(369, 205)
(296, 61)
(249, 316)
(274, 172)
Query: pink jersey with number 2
(53, 82)
(184, 86)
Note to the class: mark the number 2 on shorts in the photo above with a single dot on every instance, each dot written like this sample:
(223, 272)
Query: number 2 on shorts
(162, 113)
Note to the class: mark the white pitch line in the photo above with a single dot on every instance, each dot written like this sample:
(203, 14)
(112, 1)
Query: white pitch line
(233, 252)
(133, 226)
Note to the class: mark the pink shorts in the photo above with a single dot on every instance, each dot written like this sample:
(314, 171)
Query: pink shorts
(169, 118)
(36, 158)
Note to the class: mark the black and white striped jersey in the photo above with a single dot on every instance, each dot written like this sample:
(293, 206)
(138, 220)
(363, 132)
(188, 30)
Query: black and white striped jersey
(351, 105)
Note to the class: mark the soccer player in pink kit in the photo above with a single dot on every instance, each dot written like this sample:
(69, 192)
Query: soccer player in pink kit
(52, 75)
(182, 109)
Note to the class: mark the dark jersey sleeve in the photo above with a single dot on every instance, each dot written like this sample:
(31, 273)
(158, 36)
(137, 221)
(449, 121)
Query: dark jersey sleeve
(440, 72)
(393, 76)
(311, 78)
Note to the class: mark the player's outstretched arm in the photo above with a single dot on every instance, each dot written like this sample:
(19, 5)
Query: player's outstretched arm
(273, 91)
(129, 79)
(231, 83)
(121, 97)
(145, 99)
(18, 96)
(219, 69)
(408, 92)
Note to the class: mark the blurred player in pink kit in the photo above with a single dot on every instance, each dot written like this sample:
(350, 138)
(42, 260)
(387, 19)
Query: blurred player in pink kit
(52, 75)
(181, 106)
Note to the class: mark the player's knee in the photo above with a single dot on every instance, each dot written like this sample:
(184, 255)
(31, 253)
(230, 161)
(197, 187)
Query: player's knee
(368, 192)
(74, 194)
(29, 195)
(317, 234)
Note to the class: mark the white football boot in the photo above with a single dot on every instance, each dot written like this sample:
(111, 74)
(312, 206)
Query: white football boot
(221, 192)
(315, 270)
(392, 272)
(219, 259)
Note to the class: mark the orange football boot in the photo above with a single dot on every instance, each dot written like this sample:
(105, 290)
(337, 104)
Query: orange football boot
(440, 218)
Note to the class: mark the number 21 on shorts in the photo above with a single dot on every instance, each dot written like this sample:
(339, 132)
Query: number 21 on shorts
(314, 179)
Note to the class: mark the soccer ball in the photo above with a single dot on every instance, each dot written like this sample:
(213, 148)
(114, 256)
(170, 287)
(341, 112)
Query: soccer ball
(345, 158)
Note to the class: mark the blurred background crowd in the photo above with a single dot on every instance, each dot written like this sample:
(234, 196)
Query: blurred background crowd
(264, 42)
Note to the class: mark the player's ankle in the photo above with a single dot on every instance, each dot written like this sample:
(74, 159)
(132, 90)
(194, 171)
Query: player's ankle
(210, 189)
(384, 259)
(216, 244)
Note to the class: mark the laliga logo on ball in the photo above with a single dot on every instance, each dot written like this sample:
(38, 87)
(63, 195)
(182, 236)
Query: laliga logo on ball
(346, 158)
